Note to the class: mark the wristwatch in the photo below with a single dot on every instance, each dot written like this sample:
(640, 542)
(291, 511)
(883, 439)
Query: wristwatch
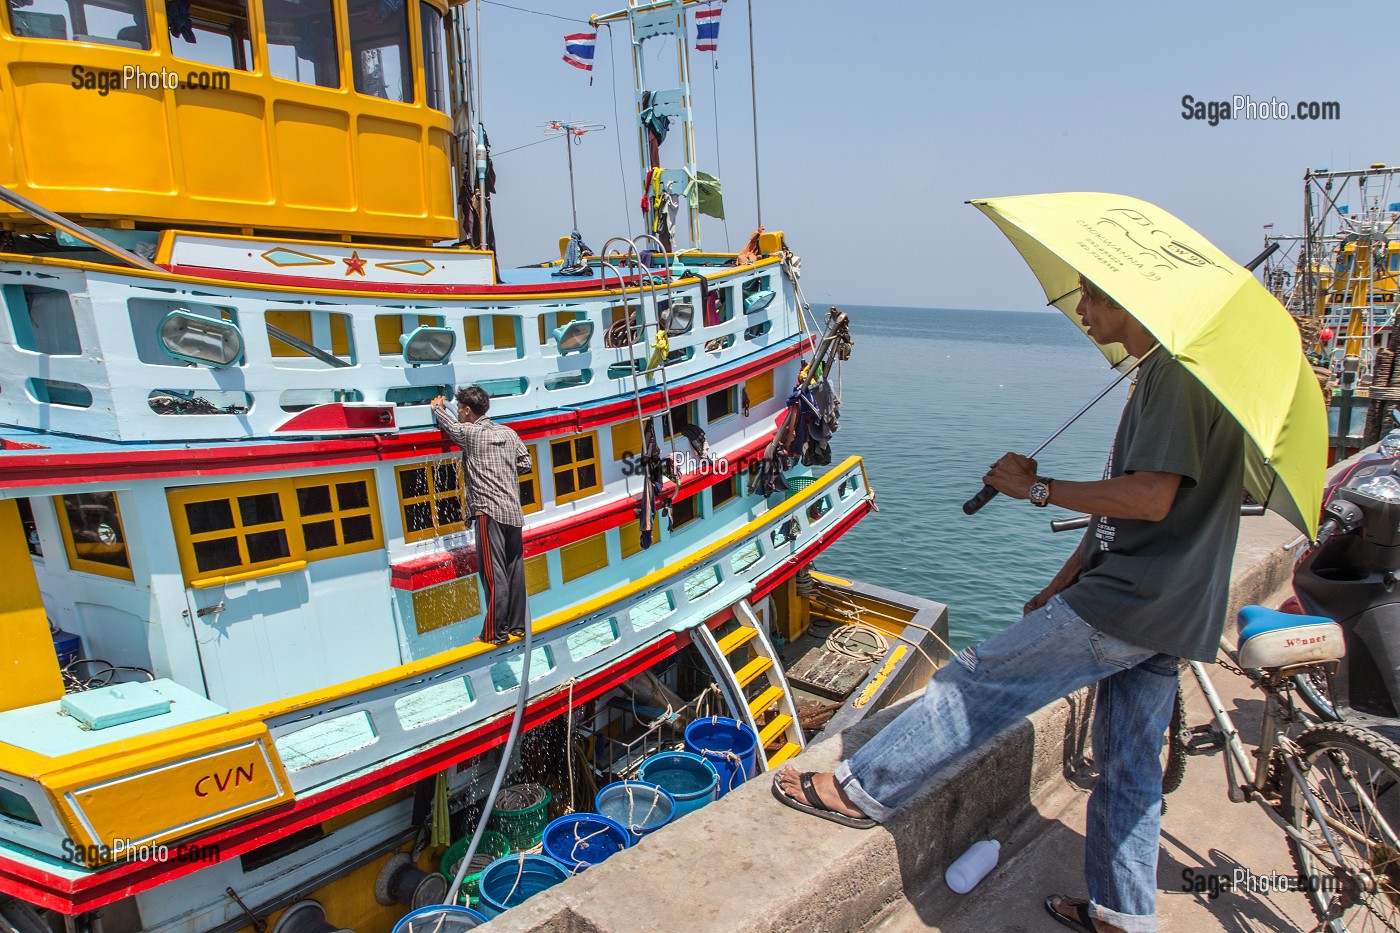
(1040, 491)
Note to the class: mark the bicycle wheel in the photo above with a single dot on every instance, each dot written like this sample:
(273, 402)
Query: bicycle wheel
(1354, 776)
(1313, 690)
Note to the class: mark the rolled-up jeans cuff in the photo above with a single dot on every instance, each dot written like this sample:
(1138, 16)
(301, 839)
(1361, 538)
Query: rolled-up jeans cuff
(1128, 923)
(868, 804)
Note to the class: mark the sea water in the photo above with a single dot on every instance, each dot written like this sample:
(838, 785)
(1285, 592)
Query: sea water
(930, 398)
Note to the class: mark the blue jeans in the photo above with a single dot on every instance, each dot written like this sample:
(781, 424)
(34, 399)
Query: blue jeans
(1048, 654)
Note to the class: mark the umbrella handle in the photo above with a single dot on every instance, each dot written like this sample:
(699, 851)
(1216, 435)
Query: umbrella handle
(974, 505)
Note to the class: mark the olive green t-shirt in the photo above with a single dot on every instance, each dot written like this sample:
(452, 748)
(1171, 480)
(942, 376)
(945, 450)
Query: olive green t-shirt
(1165, 585)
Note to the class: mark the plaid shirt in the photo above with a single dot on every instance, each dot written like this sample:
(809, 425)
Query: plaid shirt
(493, 460)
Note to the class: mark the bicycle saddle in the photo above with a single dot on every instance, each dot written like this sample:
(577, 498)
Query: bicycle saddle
(1269, 638)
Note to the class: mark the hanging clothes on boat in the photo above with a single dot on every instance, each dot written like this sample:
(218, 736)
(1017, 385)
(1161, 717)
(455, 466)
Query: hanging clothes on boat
(657, 126)
(703, 191)
(177, 14)
(472, 232)
(575, 256)
(655, 471)
(818, 418)
(698, 442)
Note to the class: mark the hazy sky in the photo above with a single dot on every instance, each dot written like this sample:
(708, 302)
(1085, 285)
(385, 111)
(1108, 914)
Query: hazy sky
(878, 120)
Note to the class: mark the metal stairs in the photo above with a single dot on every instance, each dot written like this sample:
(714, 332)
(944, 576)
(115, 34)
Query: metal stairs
(750, 676)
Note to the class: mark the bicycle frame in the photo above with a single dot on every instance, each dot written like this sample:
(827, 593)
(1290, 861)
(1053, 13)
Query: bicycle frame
(1252, 788)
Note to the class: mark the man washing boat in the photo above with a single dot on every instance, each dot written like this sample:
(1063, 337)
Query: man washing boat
(1147, 586)
(493, 459)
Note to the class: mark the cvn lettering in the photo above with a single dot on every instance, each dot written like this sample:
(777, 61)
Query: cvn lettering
(222, 782)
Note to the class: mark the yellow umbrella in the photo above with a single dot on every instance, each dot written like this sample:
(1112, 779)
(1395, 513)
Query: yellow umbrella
(1204, 309)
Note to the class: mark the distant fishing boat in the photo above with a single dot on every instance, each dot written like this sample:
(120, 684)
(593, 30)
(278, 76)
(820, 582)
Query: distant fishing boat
(244, 244)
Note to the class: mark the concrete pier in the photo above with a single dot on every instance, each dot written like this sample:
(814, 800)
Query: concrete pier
(750, 864)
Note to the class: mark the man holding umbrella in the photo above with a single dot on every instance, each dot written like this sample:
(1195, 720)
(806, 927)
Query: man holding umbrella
(1149, 583)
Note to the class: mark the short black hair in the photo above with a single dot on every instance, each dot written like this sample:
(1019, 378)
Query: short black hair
(475, 398)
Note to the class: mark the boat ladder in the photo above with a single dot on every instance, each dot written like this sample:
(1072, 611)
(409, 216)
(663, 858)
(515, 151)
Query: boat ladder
(750, 676)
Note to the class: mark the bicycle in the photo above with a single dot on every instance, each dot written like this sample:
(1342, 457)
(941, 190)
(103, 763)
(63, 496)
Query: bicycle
(1332, 787)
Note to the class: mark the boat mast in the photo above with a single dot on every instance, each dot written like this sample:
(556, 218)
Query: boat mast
(648, 21)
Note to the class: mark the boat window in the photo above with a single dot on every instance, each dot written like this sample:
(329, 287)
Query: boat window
(430, 499)
(301, 43)
(536, 575)
(718, 307)
(214, 32)
(683, 512)
(327, 331)
(59, 392)
(760, 388)
(619, 334)
(236, 527)
(723, 492)
(500, 328)
(92, 534)
(31, 530)
(42, 319)
(439, 701)
(109, 22)
(574, 464)
(293, 400)
(530, 483)
(701, 582)
(379, 49)
(677, 419)
(746, 557)
(721, 404)
(434, 57)
(199, 401)
(757, 330)
(583, 557)
(440, 606)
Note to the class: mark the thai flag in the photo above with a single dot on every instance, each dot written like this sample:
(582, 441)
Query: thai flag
(707, 29)
(578, 49)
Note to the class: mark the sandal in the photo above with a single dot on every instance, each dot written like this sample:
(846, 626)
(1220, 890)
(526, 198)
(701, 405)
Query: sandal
(1083, 921)
(815, 807)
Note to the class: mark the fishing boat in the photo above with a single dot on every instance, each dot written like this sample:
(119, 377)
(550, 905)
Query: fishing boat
(1340, 276)
(245, 243)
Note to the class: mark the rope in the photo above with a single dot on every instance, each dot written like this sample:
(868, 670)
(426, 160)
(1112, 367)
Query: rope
(719, 167)
(521, 9)
(617, 125)
(569, 746)
(753, 92)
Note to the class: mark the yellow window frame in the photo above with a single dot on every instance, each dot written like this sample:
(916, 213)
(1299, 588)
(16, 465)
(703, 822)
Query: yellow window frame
(71, 546)
(388, 328)
(432, 497)
(530, 482)
(294, 523)
(575, 466)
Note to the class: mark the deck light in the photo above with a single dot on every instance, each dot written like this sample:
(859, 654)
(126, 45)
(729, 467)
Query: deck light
(427, 345)
(193, 338)
(758, 300)
(573, 337)
(678, 318)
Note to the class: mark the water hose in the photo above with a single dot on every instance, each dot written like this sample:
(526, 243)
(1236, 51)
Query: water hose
(465, 864)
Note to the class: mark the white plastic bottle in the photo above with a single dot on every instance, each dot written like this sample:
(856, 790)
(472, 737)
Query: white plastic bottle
(972, 866)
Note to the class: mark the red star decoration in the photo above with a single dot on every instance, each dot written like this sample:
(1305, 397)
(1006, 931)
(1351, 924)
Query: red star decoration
(354, 265)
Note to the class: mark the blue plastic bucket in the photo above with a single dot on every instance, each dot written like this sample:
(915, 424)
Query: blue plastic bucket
(641, 807)
(579, 840)
(728, 744)
(511, 879)
(440, 918)
(690, 779)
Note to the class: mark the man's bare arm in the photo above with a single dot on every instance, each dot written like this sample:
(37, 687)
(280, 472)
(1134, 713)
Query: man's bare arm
(1143, 496)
